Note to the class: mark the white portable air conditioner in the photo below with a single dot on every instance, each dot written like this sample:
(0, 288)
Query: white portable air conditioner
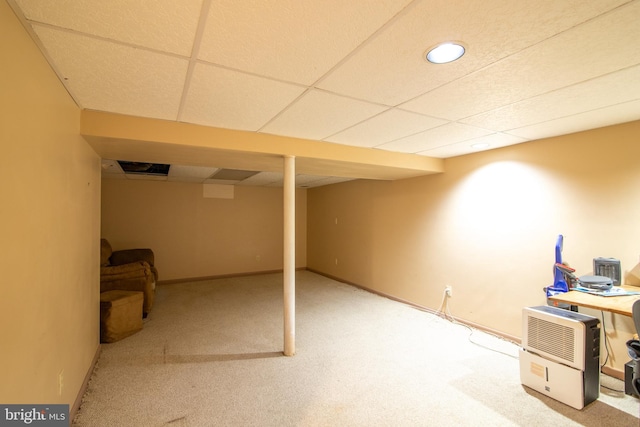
(560, 355)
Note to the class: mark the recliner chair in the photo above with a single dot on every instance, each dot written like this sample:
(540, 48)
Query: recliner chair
(128, 270)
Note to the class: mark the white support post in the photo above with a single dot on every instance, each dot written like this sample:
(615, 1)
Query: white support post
(289, 255)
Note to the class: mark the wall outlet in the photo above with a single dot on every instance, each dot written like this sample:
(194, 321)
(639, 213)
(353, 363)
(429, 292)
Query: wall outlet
(449, 291)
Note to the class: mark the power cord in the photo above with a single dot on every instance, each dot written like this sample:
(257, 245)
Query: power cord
(445, 313)
(444, 306)
(606, 347)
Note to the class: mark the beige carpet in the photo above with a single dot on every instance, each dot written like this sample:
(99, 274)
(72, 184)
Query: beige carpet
(210, 355)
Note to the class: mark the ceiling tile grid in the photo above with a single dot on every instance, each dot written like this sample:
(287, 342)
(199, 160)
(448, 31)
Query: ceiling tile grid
(494, 140)
(354, 72)
(223, 98)
(190, 173)
(606, 116)
(292, 40)
(264, 179)
(319, 114)
(206, 175)
(450, 133)
(615, 88)
(390, 69)
(165, 25)
(113, 77)
(385, 127)
(576, 55)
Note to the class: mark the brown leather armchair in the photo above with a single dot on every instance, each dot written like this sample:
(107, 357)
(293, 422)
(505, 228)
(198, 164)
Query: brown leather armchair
(128, 270)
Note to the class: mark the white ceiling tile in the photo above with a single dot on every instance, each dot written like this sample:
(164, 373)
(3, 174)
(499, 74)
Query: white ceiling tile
(264, 178)
(390, 69)
(318, 115)
(165, 25)
(190, 173)
(388, 126)
(222, 181)
(612, 89)
(456, 100)
(494, 140)
(274, 185)
(293, 40)
(443, 135)
(147, 84)
(306, 180)
(143, 177)
(111, 167)
(549, 65)
(183, 179)
(328, 181)
(227, 99)
(621, 113)
(535, 69)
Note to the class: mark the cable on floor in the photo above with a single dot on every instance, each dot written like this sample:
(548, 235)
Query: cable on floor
(445, 313)
(606, 347)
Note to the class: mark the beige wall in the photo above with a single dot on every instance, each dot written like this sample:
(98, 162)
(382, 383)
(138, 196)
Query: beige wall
(193, 236)
(488, 226)
(49, 223)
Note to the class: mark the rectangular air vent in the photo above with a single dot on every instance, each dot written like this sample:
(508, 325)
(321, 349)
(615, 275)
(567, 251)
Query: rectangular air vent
(561, 335)
(232, 175)
(551, 338)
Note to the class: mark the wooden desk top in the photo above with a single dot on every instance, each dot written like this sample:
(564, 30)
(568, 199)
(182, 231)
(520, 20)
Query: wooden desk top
(619, 304)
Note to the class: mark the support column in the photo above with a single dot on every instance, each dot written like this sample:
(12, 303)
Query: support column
(289, 255)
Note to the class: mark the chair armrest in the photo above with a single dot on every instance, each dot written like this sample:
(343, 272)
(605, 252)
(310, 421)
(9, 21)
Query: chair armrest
(136, 276)
(133, 270)
(127, 256)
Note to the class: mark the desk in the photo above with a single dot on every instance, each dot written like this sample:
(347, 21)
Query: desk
(620, 305)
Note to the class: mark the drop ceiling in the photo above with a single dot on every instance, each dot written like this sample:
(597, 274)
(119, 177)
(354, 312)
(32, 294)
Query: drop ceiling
(112, 169)
(350, 73)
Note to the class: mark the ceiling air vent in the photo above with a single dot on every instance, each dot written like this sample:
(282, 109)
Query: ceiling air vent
(236, 175)
(141, 168)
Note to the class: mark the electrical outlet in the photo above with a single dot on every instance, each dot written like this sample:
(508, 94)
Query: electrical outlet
(449, 291)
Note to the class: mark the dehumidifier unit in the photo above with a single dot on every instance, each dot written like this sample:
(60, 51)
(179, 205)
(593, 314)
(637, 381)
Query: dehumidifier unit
(560, 354)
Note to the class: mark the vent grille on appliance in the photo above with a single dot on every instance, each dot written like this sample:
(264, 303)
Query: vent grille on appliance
(554, 339)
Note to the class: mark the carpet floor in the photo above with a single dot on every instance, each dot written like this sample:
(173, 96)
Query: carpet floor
(210, 354)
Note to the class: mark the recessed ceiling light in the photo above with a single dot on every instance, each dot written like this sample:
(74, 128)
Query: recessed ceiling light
(445, 52)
